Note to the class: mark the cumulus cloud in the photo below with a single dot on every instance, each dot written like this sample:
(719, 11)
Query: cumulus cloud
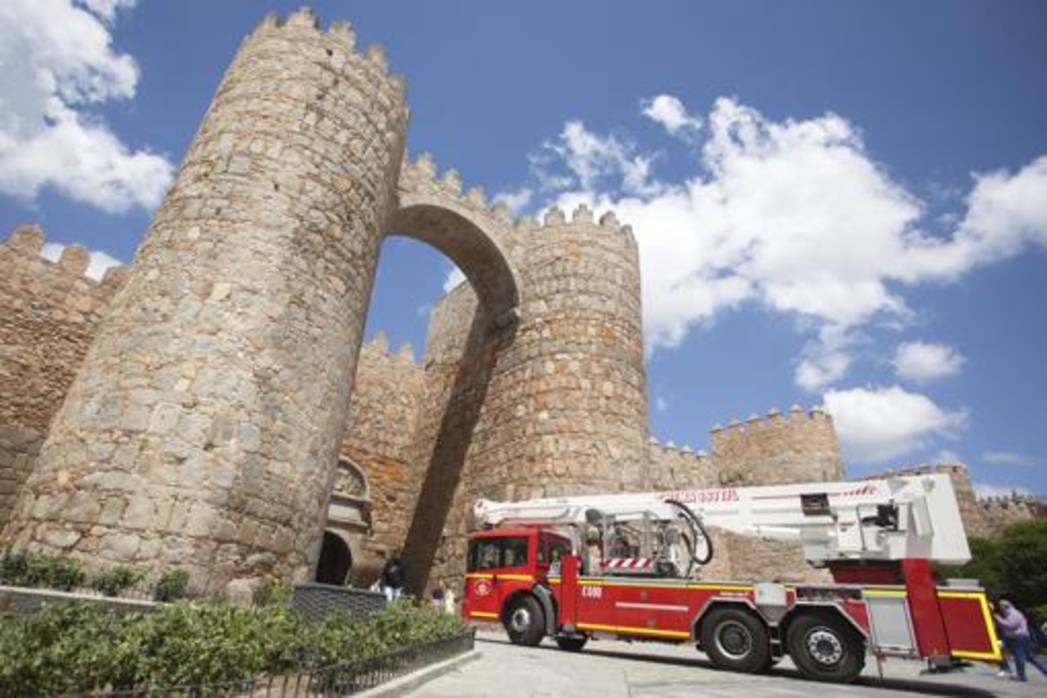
(795, 215)
(876, 424)
(99, 261)
(661, 404)
(56, 65)
(670, 112)
(922, 362)
(1007, 458)
(516, 200)
(984, 490)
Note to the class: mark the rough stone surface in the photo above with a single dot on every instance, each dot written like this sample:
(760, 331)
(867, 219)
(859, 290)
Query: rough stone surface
(211, 408)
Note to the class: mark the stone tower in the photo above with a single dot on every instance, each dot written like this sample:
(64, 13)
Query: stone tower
(779, 448)
(203, 426)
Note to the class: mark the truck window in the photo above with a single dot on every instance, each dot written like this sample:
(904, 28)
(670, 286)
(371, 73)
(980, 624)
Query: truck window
(492, 553)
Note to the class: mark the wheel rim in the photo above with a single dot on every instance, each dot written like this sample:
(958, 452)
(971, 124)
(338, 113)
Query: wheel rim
(824, 647)
(733, 639)
(520, 620)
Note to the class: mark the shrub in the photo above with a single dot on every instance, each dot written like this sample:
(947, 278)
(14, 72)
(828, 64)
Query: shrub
(20, 568)
(116, 580)
(76, 648)
(171, 586)
(272, 592)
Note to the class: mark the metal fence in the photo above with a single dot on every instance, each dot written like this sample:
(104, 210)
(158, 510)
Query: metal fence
(336, 680)
(317, 601)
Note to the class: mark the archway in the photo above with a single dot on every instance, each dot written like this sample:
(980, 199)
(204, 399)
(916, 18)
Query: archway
(336, 560)
(476, 240)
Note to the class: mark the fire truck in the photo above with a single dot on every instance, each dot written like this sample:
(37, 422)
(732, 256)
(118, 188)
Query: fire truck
(630, 566)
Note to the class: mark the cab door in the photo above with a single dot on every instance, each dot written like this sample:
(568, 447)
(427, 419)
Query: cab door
(481, 594)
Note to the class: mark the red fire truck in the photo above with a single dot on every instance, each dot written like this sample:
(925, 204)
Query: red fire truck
(629, 566)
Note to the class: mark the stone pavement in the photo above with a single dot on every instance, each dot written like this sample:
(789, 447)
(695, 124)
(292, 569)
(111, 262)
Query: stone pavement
(609, 669)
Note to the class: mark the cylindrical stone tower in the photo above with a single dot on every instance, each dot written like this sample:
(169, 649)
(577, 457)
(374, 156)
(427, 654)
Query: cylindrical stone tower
(565, 410)
(202, 431)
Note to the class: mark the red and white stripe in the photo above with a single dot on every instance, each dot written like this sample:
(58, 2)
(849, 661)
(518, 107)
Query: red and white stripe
(628, 563)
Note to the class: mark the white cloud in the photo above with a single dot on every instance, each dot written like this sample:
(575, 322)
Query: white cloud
(56, 64)
(925, 361)
(106, 9)
(516, 200)
(793, 214)
(984, 490)
(661, 404)
(1007, 458)
(454, 277)
(875, 424)
(670, 112)
(96, 267)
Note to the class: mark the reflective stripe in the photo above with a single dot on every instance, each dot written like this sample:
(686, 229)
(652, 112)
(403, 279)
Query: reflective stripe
(516, 577)
(634, 631)
(479, 575)
(483, 614)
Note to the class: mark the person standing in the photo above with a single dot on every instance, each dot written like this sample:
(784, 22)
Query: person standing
(393, 575)
(1015, 631)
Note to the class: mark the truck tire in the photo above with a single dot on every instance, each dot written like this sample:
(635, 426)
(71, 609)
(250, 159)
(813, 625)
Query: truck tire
(825, 648)
(524, 621)
(571, 644)
(735, 639)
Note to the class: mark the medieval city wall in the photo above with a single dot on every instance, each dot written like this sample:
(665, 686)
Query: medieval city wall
(49, 312)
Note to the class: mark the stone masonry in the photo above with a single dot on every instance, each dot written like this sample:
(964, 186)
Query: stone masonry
(212, 407)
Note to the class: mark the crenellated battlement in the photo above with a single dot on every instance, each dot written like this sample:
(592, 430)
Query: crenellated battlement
(62, 286)
(378, 348)
(340, 38)
(422, 175)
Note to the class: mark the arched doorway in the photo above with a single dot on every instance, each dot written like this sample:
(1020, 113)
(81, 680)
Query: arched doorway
(335, 560)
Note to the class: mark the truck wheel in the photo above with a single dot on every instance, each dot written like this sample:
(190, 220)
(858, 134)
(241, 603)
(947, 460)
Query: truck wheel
(571, 644)
(524, 621)
(825, 648)
(736, 640)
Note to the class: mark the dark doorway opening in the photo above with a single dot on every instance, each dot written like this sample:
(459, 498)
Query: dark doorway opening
(335, 560)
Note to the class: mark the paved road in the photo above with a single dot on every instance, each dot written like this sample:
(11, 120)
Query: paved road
(613, 669)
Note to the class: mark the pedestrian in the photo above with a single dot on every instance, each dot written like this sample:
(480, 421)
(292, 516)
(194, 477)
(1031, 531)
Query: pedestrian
(449, 602)
(393, 576)
(438, 593)
(1015, 631)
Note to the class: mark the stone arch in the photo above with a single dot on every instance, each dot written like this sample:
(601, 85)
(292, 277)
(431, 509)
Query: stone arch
(479, 241)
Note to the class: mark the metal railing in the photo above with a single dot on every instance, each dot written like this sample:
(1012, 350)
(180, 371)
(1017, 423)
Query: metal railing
(335, 680)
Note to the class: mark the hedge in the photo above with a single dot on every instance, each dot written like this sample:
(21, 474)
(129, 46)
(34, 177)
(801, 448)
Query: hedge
(76, 647)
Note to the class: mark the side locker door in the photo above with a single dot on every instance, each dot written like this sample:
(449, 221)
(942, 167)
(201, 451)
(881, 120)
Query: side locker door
(569, 592)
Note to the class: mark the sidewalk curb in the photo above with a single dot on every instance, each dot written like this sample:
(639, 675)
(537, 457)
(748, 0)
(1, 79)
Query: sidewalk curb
(409, 682)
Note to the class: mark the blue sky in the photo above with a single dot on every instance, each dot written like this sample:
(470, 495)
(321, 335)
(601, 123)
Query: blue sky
(836, 203)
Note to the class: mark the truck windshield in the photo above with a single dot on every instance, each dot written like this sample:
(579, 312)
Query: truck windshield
(492, 553)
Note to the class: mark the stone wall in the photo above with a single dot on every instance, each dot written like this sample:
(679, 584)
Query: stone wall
(779, 448)
(48, 314)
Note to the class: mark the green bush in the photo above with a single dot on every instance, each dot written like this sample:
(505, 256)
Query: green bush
(70, 648)
(20, 568)
(172, 586)
(116, 580)
(272, 592)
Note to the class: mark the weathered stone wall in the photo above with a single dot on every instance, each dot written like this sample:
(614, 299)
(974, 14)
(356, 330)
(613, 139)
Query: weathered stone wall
(203, 429)
(48, 315)
(778, 448)
(380, 435)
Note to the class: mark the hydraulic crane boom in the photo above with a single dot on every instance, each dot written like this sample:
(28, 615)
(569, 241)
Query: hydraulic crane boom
(887, 519)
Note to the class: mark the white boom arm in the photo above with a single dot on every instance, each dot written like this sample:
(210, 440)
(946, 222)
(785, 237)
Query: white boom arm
(889, 519)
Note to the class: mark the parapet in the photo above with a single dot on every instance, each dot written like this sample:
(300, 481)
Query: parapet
(59, 289)
(340, 40)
